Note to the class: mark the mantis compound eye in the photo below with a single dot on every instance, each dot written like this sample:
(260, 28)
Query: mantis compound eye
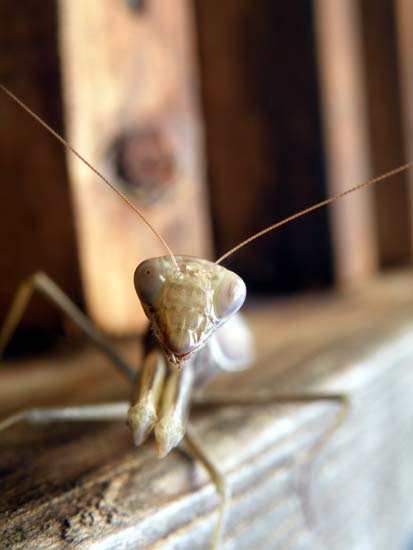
(149, 279)
(229, 296)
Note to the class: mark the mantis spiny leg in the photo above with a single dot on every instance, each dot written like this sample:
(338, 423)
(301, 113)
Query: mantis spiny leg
(195, 449)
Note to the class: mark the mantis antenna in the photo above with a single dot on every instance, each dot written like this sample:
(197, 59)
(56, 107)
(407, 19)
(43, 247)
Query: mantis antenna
(313, 207)
(89, 165)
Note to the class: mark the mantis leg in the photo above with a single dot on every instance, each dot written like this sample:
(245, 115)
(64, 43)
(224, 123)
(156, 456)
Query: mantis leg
(80, 413)
(195, 449)
(42, 283)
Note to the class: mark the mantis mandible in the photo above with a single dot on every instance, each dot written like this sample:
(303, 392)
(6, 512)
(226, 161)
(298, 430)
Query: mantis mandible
(192, 306)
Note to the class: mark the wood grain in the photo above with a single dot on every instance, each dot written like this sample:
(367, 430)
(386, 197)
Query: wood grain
(86, 486)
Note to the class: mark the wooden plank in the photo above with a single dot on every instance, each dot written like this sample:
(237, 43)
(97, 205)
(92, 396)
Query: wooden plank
(384, 112)
(346, 137)
(87, 486)
(129, 77)
(404, 15)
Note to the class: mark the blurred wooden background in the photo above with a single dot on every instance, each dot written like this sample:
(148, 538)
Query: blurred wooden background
(303, 100)
(298, 102)
(231, 115)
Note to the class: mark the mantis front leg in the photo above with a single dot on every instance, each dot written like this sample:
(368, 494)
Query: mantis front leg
(195, 448)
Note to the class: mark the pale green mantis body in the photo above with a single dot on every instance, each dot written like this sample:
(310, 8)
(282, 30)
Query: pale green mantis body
(192, 305)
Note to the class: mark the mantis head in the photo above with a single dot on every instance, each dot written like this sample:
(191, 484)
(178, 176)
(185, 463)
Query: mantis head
(186, 300)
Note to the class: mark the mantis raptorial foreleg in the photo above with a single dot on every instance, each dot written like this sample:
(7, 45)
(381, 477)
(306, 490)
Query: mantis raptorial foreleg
(42, 283)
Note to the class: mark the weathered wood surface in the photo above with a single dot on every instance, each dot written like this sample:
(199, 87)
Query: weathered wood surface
(73, 486)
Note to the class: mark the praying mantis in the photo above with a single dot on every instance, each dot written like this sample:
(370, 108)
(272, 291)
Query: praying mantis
(192, 306)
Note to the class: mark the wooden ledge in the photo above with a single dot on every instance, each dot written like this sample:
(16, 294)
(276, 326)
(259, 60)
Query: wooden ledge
(86, 486)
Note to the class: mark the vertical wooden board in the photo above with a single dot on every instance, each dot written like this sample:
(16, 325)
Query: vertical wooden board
(129, 70)
(385, 129)
(404, 16)
(36, 222)
(346, 137)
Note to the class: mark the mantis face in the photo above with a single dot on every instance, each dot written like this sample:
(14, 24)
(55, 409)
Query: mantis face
(187, 302)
